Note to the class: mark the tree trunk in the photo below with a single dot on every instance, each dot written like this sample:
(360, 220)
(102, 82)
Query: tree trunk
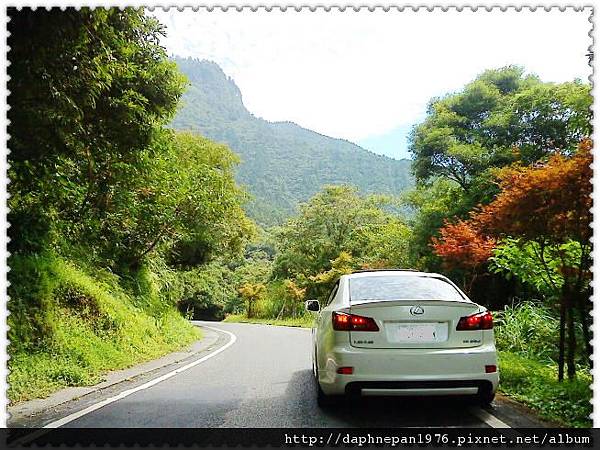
(280, 315)
(583, 317)
(561, 341)
(571, 339)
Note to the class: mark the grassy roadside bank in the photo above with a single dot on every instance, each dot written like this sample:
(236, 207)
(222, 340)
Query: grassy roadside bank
(68, 328)
(302, 322)
(525, 380)
(535, 385)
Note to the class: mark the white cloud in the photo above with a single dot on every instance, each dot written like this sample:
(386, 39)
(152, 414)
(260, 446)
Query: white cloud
(355, 75)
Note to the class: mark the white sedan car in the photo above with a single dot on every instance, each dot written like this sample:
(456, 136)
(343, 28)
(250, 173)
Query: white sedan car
(402, 332)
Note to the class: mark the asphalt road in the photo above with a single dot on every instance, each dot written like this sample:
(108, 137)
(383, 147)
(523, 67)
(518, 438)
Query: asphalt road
(264, 379)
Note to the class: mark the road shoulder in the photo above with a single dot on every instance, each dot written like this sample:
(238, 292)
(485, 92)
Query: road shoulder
(518, 415)
(33, 412)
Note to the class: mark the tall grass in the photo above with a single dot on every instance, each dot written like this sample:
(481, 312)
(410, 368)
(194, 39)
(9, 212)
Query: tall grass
(68, 327)
(531, 329)
(528, 329)
(527, 337)
(304, 321)
(275, 307)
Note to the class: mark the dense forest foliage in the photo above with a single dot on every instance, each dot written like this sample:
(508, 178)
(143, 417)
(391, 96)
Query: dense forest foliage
(512, 153)
(124, 220)
(111, 212)
(282, 163)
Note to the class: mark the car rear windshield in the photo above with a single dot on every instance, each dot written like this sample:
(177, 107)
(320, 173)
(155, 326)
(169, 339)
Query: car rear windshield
(402, 287)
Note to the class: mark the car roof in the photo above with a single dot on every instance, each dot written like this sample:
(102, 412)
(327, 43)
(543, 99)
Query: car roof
(392, 272)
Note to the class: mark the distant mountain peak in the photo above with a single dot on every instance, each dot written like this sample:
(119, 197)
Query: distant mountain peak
(214, 86)
(283, 163)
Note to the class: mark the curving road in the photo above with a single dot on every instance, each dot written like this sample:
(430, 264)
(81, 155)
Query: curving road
(262, 379)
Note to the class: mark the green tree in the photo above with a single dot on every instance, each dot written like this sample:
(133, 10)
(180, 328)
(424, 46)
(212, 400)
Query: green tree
(115, 219)
(432, 203)
(89, 91)
(342, 265)
(186, 202)
(502, 116)
(339, 221)
(521, 260)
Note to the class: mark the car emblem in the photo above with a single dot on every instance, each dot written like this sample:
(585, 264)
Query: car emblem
(416, 310)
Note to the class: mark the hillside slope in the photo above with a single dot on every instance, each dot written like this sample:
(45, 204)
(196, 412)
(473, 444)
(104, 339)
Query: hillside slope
(282, 163)
(71, 323)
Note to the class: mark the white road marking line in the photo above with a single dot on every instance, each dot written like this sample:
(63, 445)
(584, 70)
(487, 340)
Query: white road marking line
(492, 421)
(108, 401)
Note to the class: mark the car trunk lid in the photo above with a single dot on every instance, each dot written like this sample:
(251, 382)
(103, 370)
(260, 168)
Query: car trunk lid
(415, 324)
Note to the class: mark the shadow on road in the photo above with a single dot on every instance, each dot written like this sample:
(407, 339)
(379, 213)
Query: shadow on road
(379, 411)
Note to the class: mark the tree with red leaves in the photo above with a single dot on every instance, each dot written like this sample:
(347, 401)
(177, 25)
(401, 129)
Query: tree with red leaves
(462, 246)
(548, 204)
(549, 201)
(551, 205)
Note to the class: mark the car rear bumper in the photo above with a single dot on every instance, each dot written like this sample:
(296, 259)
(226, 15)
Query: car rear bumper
(410, 371)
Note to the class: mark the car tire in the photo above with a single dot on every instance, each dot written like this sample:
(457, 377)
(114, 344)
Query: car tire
(324, 400)
(486, 397)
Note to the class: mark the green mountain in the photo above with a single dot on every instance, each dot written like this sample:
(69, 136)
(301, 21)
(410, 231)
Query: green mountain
(283, 164)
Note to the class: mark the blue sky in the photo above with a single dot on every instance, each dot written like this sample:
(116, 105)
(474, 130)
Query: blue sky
(367, 76)
(393, 143)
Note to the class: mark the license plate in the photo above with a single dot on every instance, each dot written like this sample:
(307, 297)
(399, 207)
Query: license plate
(404, 332)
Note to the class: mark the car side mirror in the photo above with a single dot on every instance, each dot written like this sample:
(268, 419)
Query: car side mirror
(312, 305)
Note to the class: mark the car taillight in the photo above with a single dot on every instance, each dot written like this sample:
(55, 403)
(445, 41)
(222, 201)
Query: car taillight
(479, 321)
(352, 322)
